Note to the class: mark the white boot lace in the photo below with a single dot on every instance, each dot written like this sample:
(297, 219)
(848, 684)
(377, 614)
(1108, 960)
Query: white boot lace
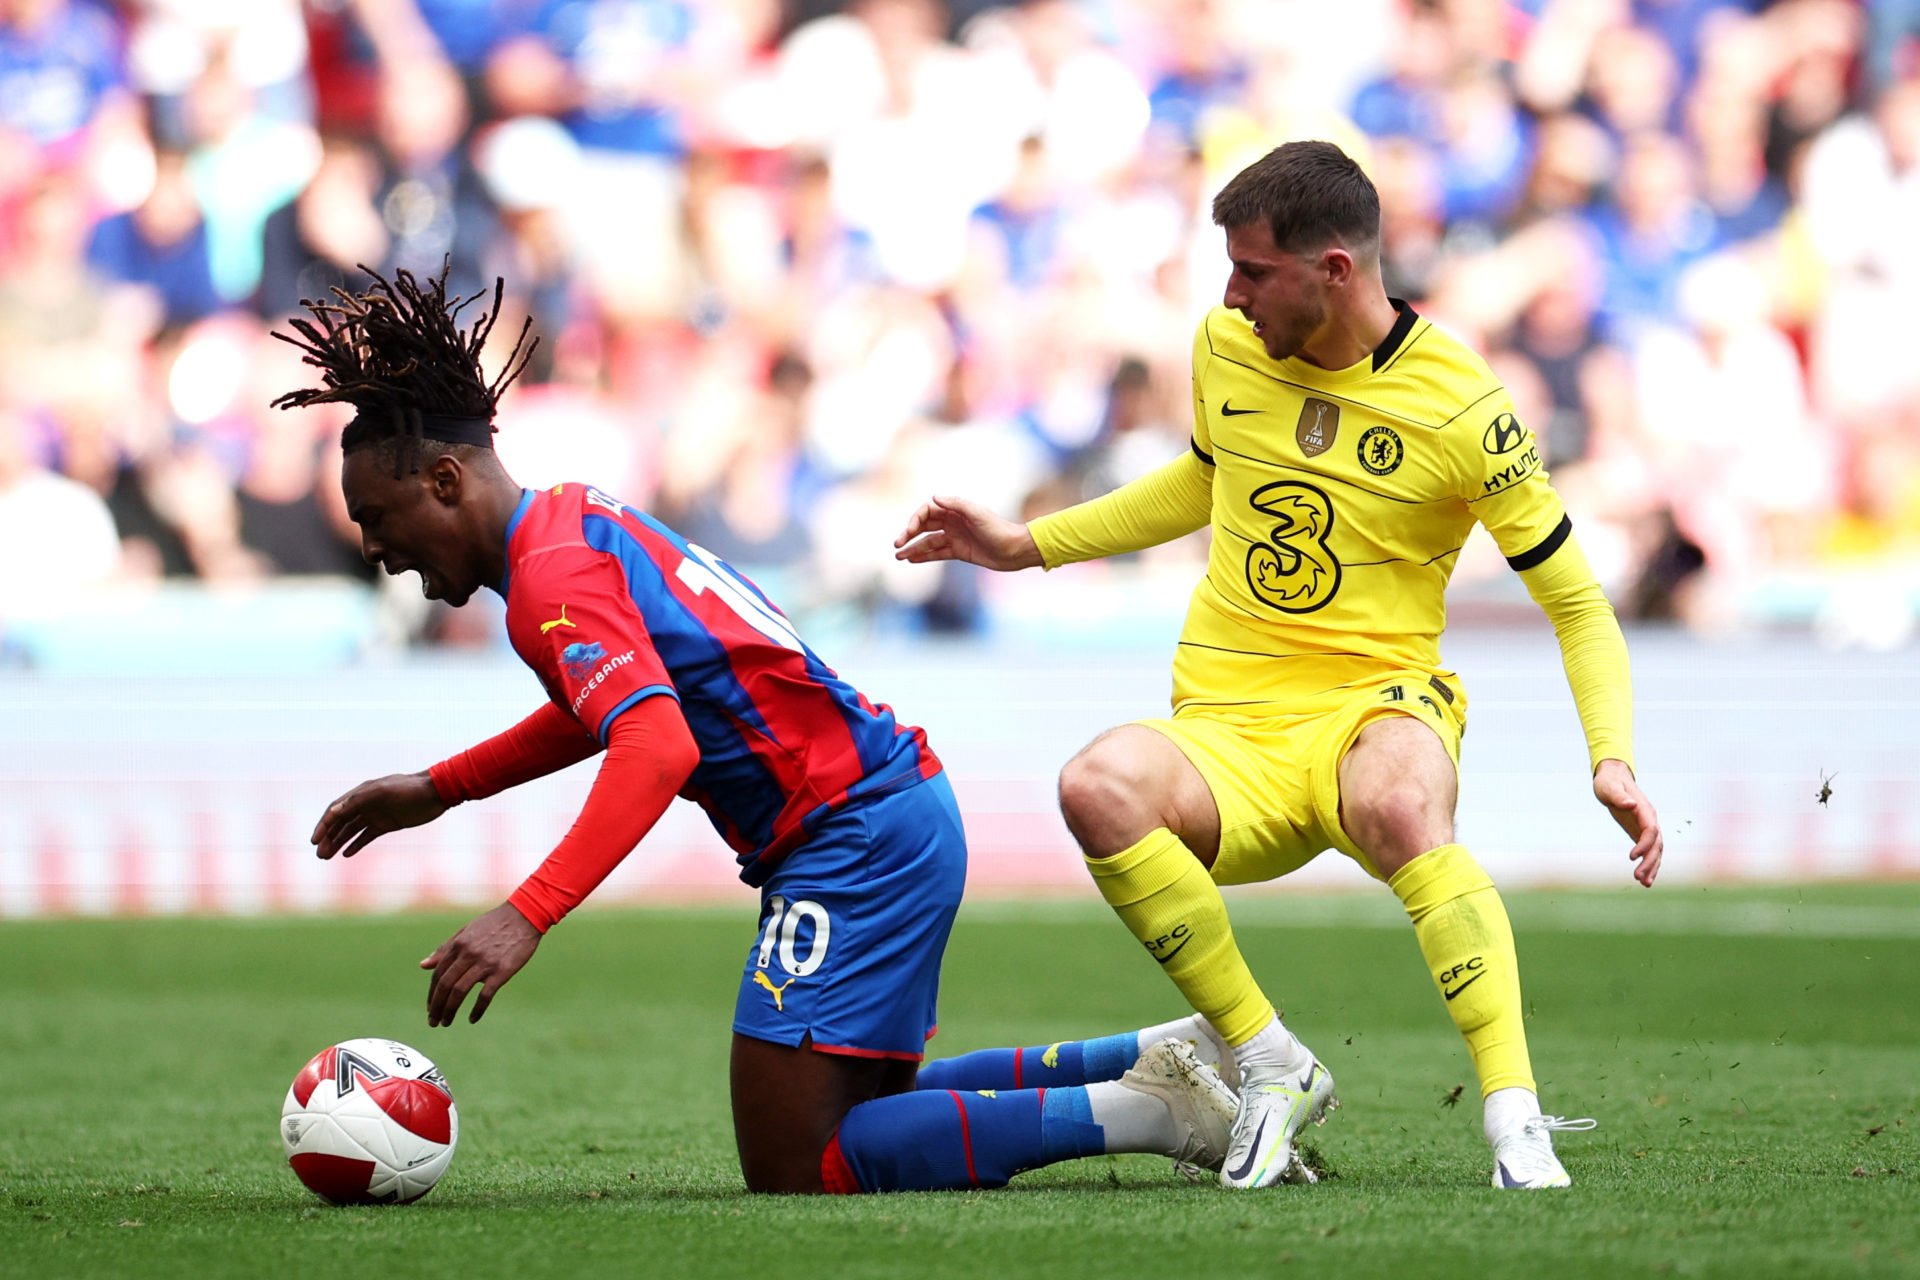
(1559, 1124)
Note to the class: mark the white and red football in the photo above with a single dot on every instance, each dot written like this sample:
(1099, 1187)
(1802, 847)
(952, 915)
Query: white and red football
(369, 1122)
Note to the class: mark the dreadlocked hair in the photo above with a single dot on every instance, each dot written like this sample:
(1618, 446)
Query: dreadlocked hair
(397, 355)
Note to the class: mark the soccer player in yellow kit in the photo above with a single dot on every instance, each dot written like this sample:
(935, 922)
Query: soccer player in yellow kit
(1343, 448)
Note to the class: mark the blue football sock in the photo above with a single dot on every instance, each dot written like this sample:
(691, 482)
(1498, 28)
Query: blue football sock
(1051, 1066)
(945, 1139)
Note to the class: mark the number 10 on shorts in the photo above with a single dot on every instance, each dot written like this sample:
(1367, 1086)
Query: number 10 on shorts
(783, 931)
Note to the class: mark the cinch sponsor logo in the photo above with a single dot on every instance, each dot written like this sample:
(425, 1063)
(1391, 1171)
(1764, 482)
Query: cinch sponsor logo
(1513, 473)
(613, 664)
(578, 658)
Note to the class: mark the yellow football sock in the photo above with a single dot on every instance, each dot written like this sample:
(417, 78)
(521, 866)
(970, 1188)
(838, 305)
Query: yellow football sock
(1463, 932)
(1162, 893)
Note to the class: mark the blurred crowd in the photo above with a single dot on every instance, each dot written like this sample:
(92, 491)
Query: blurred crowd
(796, 265)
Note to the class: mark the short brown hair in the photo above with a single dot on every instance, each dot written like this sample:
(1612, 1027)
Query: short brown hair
(1309, 192)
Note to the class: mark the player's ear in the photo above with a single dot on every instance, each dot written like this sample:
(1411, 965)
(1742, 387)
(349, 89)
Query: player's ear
(1336, 266)
(446, 478)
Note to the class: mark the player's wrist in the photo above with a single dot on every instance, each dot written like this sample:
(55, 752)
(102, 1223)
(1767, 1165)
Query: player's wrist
(524, 903)
(444, 780)
(1029, 550)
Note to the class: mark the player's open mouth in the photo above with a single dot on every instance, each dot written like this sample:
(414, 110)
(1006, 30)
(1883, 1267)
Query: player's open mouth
(426, 580)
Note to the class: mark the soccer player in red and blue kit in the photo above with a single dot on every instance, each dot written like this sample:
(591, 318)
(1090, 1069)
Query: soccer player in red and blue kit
(688, 681)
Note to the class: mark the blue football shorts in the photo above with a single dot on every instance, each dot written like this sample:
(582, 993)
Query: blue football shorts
(852, 927)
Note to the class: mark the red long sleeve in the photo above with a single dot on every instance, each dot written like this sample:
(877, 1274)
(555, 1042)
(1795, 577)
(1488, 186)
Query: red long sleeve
(650, 753)
(545, 742)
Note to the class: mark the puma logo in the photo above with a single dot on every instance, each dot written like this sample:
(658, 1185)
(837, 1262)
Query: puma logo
(561, 621)
(1051, 1058)
(760, 979)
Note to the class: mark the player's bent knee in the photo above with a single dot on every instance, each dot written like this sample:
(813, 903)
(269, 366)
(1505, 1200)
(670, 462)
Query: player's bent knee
(1100, 800)
(785, 1173)
(1397, 823)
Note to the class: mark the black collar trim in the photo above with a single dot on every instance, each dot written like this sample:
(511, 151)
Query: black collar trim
(1396, 335)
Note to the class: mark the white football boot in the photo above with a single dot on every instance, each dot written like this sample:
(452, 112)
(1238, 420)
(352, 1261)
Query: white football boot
(1525, 1158)
(1229, 1069)
(1202, 1106)
(1273, 1110)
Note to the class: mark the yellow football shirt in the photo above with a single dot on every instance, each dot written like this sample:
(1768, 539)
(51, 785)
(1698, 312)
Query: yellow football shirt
(1339, 500)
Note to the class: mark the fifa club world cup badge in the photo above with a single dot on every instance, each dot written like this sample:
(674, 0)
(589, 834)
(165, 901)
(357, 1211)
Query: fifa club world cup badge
(1319, 424)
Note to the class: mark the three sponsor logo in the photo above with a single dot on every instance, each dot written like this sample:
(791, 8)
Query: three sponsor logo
(1295, 570)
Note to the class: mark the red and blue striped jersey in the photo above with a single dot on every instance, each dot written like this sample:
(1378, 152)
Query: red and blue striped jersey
(609, 606)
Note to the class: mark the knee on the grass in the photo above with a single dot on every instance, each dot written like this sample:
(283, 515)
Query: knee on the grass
(783, 1177)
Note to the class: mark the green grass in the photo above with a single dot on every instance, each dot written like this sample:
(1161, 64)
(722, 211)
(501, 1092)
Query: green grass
(1756, 1087)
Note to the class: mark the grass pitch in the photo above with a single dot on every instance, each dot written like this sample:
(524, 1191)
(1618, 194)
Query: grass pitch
(1751, 1057)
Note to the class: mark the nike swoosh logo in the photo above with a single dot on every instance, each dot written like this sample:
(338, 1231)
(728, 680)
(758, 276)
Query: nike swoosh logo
(1246, 1166)
(1162, 959)
(1463, 986)
(1506, 1179)
(1228, 411)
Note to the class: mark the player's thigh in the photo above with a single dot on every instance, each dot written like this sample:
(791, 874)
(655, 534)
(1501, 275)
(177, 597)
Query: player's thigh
(1393, 781)
(1131, 781)
(853, 926)
(1263, 812)
(838, 993)
(789, 1099)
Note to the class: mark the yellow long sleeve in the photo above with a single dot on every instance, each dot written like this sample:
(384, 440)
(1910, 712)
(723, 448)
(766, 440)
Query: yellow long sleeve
(1591, 648)
(1160, 506)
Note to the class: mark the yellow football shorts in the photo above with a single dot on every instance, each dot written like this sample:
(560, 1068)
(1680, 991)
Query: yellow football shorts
(1276, 778)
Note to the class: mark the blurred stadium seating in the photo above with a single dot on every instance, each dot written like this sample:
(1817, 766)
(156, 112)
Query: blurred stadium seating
(797, 264)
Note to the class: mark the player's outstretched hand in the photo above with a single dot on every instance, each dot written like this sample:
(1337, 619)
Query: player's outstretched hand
(955, 529)
(486, 953)
(374, 808)
(1614, 786)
